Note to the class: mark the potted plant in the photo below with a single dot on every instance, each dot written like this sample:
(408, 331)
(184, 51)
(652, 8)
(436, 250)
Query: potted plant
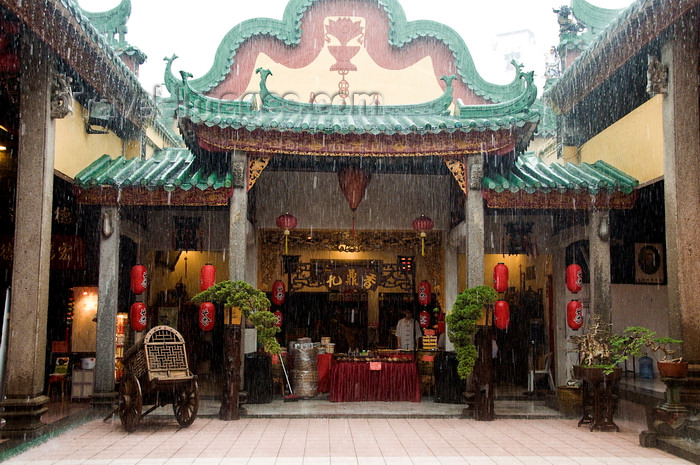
(669, 367)
(600, 349)
(461, 324)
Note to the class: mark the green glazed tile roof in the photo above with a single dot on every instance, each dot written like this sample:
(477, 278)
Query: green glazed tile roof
(530, 174)
(595, 19)
(429, 117)
(169, 169)
(401, 32)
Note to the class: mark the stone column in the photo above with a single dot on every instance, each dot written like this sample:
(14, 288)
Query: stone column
(599, 262)
(474, 217)
(238, 218)
(233, 343)
(455, 237)
(26, 355)
(681, 121)
(107, 306)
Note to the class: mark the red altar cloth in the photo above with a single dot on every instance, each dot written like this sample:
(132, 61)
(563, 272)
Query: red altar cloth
(323, 366)
(355, 382)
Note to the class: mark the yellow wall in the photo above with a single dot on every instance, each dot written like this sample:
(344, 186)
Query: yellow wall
(156, 141)
(518, 264)
(634, 144)
(75, 149)
(84, 331)
(187, 271)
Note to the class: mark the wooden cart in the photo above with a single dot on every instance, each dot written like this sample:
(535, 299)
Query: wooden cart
(156, 373)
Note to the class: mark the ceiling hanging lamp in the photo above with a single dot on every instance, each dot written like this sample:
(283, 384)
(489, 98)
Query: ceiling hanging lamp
(423, 224)
(286, 223)
(353, 182)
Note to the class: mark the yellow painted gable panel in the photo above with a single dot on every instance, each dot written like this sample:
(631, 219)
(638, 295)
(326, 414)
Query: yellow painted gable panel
(411, 85)
(634, 144)
(415, 84)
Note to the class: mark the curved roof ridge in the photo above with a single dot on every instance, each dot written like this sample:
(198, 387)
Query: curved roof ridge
(112, 21)
(401, 32)
(595, 17)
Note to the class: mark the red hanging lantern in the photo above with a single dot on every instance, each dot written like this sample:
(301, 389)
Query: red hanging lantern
(501, 315)
(278, 318)
(286, 223)
(353, 183)
(423, 224)
(278, 292)
(138, 279)
(574, 278)
(207, 277)
(424, 319)
(574, 314)
(207, 314)
(138, 314)
(500, 277)
(424, 296)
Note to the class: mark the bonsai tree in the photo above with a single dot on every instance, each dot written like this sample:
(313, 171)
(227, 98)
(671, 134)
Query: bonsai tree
(252, 303)
(461, 324)
(660, 346)
(254, 306)
(600, 348)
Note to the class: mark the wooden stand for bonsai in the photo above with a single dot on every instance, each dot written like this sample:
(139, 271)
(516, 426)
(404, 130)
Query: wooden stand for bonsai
(673, 402)
(598, 399)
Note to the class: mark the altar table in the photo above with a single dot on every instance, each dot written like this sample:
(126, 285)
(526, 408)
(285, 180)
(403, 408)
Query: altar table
(392, 381)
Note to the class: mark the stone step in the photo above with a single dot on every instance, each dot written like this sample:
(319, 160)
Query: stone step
(693, 432)
(684, 448)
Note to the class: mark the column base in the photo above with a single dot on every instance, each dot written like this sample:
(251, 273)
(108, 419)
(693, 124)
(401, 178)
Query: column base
(104, 400)
(23, 417)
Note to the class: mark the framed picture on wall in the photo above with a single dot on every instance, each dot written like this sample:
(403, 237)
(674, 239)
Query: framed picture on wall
(648, 263)
(168, 316)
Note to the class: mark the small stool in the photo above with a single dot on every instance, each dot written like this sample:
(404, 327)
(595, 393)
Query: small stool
(57, 380)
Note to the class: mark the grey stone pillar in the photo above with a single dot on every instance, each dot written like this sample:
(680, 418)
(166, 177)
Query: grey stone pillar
(233, 343)
(26, 354)
(681, 188)
(474, 210)
(599, 263)
(454, 239)
(107, 306)
(238, 218)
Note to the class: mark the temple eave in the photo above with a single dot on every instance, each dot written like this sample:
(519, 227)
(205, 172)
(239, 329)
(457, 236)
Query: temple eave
(555, 200)
(216, 139)
(110, 195)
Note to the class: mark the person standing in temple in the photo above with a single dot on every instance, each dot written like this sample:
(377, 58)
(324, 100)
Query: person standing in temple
(407, 332)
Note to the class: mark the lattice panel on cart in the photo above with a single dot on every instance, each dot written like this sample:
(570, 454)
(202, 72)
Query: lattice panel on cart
(167, 360)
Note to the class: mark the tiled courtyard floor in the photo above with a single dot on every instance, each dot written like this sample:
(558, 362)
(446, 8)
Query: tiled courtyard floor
(344, 441)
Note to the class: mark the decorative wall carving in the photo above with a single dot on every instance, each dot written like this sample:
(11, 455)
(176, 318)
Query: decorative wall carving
(61, 96)
(657, 76)
(429, 267)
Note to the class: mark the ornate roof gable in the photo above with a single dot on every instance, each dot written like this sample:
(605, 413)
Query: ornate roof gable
(287, 36)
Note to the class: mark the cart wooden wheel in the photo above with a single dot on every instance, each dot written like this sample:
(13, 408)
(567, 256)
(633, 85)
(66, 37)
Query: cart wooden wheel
(130, 402)
(186, 403)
